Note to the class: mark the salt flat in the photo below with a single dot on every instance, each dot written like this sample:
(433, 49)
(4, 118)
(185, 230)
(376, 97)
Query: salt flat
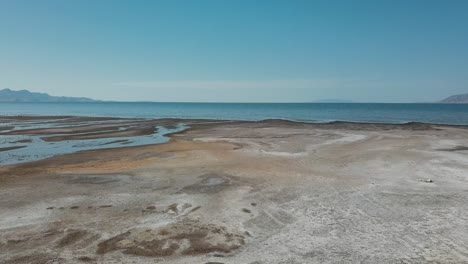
(247, 192)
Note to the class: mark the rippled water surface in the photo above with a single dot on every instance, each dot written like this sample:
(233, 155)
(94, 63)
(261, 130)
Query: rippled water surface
(312, 112)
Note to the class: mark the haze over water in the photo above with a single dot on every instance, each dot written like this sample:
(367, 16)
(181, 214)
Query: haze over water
(309, 112)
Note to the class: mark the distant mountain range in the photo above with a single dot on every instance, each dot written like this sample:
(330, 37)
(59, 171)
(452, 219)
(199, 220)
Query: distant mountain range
(7, 95)
(333, 101)
(456, 99)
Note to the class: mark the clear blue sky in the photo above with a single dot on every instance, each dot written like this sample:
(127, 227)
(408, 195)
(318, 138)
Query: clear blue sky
(233, 50)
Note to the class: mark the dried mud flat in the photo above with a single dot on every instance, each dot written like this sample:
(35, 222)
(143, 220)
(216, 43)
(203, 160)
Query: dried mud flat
(246, 192)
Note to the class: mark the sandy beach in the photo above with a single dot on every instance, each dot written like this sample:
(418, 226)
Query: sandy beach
(239, 192)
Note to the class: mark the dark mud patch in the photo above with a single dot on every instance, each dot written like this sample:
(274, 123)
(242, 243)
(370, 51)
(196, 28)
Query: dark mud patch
(457, 148)
(210, 183)
(86, 259)
(29, 240)
(412, 126)
(28, 140)
(11, 148)
(188, 238)
(130, 132)
(76, 239)
(97, 178)
(71, 238)
(41, 258)
(120, 141)
(346, 125)
(173, 208)
(3, 128)
(195, 209)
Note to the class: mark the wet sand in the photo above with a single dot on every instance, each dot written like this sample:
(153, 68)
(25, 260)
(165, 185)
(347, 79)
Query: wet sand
(127, 132)
(246, 192)
(10, 148)
(35, 138)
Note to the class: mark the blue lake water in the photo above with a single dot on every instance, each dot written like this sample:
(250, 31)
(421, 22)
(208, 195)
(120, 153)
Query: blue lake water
(39, 149)
(310, 112)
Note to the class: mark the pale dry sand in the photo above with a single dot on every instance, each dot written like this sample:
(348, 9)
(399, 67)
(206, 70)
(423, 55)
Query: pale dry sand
(247, 192)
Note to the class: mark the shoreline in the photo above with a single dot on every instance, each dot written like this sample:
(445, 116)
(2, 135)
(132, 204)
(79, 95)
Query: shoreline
(115, 133)
(177, 119)
(312, 121)
(195, 124)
